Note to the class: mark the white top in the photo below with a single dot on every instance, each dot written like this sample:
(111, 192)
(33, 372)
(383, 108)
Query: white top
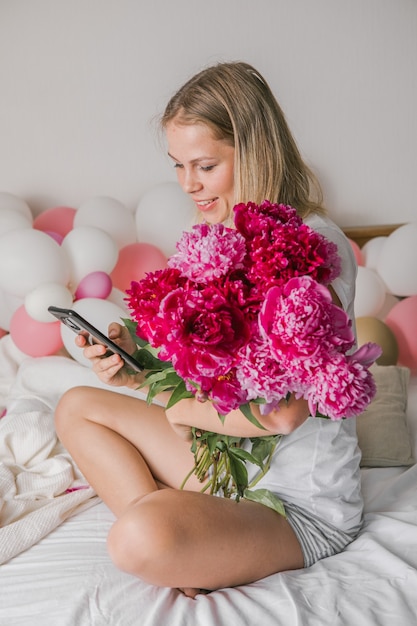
(317, 466)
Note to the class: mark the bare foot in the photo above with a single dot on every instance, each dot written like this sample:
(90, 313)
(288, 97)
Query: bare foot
(191, 592)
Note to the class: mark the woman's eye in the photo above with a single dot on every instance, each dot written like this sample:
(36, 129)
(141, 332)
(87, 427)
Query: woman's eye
(207, 168)
(176, 165)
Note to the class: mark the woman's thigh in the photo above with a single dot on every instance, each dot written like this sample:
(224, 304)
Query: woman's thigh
(146, 427)
(185, 539)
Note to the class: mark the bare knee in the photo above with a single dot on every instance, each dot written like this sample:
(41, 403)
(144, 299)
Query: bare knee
(143, 541)
(69, 408)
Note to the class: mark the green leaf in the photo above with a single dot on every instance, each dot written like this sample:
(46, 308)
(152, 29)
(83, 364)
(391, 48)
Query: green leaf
(243, 455)
(246, 410)
(180, 392)
(221, 417)
(263, 446)
(213, 441)
(169, 378)
(146, 359)
(267, 498)
(131, 327)
(239, 474)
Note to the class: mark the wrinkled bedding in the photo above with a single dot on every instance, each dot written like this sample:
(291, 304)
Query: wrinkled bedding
(53, 528)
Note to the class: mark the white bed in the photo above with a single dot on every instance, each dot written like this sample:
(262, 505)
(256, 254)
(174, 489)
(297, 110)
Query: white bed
(56, 572)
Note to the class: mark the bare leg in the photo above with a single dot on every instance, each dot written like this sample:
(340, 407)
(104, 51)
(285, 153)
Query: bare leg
(122, 445)
(195, 541)
(167, 537)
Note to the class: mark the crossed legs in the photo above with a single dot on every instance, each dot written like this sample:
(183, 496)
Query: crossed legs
(128, 451)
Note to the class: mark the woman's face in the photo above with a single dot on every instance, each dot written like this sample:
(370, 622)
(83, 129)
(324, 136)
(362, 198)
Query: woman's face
(205, 168)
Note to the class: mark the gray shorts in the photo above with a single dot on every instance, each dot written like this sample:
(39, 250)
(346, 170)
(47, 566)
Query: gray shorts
(318, 539)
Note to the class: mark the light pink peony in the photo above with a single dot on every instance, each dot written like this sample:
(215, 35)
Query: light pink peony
(208, 252)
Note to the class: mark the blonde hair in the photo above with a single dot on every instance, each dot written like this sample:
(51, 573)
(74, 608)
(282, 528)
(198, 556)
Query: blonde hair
(235, 101)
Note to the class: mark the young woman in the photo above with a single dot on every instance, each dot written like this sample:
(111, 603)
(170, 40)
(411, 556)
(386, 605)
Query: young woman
(229, 142)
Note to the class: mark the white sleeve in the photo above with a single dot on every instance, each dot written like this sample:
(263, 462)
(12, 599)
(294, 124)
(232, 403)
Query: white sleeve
(344, 285)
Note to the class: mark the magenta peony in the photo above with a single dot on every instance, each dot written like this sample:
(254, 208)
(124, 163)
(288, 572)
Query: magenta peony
(245, 315)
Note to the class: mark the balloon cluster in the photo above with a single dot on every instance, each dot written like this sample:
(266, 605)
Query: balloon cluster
(386, 295)
(82, 258)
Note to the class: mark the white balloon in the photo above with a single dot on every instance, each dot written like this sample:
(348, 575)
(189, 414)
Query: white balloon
(100, 313)
(13, 220)
(10, 201)
(397, 262)
(89, 249)
(163, 213)
(8, 306)
(371, 251)
(370, 293)
(38, 300)
(118, 297)
(389, 302)
(30, 257)
(111, 216)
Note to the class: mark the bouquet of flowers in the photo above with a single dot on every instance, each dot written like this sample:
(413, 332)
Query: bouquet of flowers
(244, 315)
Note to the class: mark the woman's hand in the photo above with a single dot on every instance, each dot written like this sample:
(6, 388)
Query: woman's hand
(110, 369)
(287, 417)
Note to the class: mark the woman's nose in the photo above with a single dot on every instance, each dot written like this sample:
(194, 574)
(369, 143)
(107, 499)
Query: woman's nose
(190, 182)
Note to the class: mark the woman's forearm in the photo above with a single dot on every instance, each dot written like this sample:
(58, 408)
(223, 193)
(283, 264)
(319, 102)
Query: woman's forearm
(283, 420)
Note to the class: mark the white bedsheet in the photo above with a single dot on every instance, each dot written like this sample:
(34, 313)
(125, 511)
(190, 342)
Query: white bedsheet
(67, 579)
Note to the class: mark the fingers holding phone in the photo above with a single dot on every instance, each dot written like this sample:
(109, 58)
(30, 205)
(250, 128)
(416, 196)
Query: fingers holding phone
(107, 355)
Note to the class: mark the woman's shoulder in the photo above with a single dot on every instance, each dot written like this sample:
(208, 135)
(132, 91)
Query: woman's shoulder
(344, 285)
(325, 225)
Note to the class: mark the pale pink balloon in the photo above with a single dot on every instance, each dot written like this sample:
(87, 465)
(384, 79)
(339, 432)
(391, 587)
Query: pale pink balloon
(94, 285)
(35, 338)
(357, 252)
(59, 220)
(134, 261)
(402, 321)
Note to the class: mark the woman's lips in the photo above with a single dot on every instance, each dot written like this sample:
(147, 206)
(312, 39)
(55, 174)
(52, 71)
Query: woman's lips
(206, 205)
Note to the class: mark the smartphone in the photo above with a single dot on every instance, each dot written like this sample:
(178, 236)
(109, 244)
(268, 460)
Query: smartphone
(76, 323)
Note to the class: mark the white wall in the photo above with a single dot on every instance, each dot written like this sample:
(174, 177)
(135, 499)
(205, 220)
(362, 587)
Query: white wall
(81, 80)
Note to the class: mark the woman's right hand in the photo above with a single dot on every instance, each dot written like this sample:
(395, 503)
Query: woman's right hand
(110, 369)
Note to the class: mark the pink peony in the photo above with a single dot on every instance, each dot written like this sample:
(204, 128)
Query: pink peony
(341, 388)
(280, 246)
(253, 220)
(245, 314)
(226, 393)
(208, 252)
(145, 298)
(261, 375)
(301, 322)
(203, 332)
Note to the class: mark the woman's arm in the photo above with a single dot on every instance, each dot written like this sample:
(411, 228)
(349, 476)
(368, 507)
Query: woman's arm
(283, 420)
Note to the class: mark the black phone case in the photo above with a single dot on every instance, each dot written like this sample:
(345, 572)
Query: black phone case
(77, 323)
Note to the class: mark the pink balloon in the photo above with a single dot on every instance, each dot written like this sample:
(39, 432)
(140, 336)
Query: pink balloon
(59, 220)
(94, 285)
(135, 260)
(357, 252)
(35, 338)
(401, 319)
